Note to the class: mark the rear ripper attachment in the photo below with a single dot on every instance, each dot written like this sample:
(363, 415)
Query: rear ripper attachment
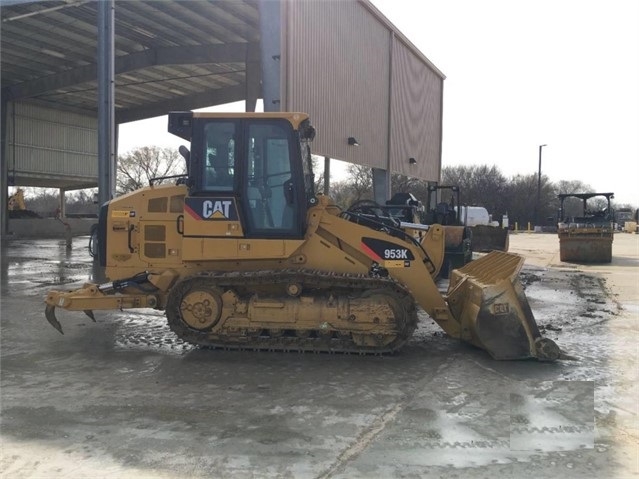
(143, 290)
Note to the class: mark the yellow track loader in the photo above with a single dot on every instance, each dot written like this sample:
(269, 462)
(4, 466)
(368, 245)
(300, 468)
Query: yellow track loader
(241, 253)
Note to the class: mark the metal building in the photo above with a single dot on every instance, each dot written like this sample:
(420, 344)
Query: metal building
(359, 77)
(342, 62)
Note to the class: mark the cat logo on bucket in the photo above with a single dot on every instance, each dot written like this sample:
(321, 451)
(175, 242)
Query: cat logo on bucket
(501, 308)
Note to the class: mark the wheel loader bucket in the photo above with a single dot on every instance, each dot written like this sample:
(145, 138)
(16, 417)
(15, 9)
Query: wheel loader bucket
(488, 300)
(488, 238)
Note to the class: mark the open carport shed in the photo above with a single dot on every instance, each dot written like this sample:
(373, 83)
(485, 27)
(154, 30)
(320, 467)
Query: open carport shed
(342, 62)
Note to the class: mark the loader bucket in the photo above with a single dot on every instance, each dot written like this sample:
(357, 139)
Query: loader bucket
(489, 238)
(488, 300)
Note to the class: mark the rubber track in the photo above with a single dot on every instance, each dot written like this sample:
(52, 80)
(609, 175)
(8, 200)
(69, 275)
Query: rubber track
(340, 284)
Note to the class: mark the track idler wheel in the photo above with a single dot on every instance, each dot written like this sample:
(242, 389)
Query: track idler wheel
(201, 309)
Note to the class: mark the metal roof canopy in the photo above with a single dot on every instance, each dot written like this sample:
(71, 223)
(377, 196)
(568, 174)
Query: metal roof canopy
(168, 55)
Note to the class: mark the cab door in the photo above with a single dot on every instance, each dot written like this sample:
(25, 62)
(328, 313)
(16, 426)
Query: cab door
(272, 186)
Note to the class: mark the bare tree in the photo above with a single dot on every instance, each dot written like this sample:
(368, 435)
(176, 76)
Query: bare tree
(572, 186)
(318, 173)
(341, 193)
(407, 184)
(361, 183)
(480, 185)
(136, 168)
(43, 201)
(572, 206)
(358, 186)
(82, 202)
(521, 195)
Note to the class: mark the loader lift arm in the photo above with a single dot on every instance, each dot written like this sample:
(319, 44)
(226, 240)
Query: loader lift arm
(485, 304)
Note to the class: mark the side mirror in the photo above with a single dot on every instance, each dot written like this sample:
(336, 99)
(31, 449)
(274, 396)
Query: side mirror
(186, 154)
(184, 151)
(307, 131)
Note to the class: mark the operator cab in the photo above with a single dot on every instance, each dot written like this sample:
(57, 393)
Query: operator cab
(244, 168)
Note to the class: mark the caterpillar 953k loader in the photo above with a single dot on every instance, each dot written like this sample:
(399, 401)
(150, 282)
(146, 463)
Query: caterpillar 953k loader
(241, 253)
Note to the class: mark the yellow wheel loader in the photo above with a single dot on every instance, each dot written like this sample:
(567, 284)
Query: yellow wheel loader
(241, 253)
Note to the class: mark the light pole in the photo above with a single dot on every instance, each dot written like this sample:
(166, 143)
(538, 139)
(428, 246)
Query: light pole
(539, 187)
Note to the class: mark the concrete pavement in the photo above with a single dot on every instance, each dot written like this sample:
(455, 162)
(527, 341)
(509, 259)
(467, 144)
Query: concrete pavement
(123, 398)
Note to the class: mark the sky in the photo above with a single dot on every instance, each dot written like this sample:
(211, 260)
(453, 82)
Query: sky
(519, 74)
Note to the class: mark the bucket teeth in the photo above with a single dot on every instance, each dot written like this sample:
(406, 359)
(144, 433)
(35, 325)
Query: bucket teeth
(547, 350)
(89, 313)
(49, 313)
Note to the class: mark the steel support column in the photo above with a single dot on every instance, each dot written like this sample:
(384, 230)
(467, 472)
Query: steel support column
(253, 78)
(4, 167)
(270, 50)
(381, 185)
(327, 175)
(381, 177)
(106, 108)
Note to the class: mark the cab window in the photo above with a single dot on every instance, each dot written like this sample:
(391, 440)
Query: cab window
(219, 156)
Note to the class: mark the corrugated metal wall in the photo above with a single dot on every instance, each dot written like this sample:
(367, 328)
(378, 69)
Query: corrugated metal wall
(52, 147)
(346, 65)
(337, 70)
(416, 115)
